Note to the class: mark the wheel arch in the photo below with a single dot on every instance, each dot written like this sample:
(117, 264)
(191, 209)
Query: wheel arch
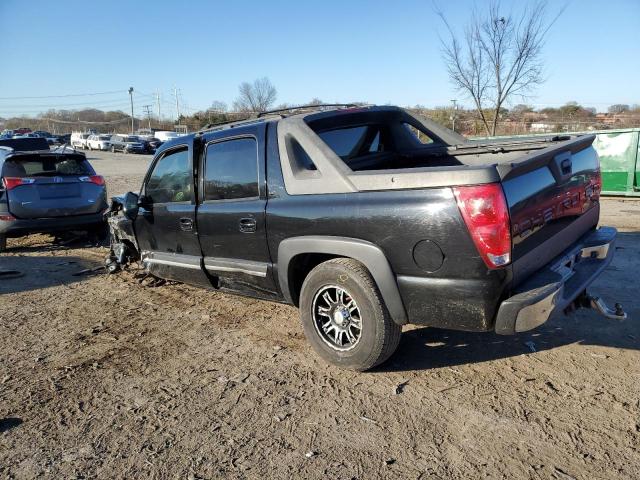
(327, 247)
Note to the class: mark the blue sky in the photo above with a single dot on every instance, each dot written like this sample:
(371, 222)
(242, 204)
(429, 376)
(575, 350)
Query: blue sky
(347, 50)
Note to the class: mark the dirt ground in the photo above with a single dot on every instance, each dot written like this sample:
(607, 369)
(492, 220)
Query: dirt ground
(102, 377)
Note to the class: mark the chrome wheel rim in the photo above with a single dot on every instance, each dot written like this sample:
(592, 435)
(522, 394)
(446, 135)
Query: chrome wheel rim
(336, 318)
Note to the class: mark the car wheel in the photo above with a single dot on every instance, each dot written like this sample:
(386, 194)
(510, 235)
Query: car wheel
(90, 148)
(113, 149)
(3, 243)
(344, 316)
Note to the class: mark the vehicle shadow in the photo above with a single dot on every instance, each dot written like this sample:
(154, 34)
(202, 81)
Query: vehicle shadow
(66, 241)
(427, 348)
(26, 273)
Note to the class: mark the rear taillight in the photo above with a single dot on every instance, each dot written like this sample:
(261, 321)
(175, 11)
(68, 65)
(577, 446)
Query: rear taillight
(13, 182)
(97, 179)
(484, 210)
(7, 218)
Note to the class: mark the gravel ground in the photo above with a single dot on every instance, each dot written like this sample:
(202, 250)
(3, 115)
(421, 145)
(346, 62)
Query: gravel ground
(105, 377)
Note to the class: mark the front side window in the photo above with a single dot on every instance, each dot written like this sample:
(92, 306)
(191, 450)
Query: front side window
(231, 170)
(171, 179)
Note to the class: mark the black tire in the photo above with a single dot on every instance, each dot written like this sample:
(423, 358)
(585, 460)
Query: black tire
(113, 149)
(379, 334)
(3, 243)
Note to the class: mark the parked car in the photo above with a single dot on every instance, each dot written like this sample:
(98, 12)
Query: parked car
(51, 139)
(155, 144)
(46, 190)
(26, 135)
(79, 139)
(64, 139)
(126, 144)
(165, 136)
(150, 144)
(371, 218)
(99, 142)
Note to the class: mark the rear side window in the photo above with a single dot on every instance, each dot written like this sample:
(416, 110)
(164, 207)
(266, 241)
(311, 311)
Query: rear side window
(419, 135)
(35, 166)
(231, 170)
(357, 141)
(171, 179)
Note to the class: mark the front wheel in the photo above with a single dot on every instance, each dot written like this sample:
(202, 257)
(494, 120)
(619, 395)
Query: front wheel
(344, 316)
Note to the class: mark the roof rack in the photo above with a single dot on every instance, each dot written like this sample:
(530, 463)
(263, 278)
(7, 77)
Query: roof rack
(263, 116)
(230, 124)
(316, 106)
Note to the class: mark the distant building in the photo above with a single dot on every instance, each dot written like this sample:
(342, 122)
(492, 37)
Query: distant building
(541, 127)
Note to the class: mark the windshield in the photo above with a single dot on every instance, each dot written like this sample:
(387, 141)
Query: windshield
(132, 139)
(46, 166)
(105, 137)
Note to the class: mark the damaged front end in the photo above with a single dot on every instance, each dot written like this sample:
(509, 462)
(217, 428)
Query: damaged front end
(123, 246)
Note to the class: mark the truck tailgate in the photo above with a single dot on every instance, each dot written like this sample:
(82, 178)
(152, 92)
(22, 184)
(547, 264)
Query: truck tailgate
(553, 199)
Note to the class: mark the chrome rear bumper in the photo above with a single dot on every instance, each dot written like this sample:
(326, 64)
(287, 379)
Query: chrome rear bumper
(556, 286)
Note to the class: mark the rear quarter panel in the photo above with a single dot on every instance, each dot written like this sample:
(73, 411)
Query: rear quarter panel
(461, 293)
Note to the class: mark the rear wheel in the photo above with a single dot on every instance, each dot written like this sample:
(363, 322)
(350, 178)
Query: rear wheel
(113, 149)
(344, 316)
(3, 243)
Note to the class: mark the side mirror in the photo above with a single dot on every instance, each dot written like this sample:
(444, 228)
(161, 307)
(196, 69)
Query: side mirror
(130, 206)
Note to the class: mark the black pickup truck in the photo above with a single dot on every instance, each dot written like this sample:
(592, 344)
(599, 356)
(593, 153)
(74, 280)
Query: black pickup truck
(370, 218)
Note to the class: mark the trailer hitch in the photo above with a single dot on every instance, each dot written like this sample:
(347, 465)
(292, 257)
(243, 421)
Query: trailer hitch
(596, 303)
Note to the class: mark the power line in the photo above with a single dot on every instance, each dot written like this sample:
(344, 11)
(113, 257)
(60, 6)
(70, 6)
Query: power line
(66, 95)
(85, 122)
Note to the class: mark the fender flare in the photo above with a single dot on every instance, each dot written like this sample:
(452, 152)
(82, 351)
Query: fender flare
(365, 252)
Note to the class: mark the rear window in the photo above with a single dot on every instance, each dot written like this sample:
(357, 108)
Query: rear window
(38, 166)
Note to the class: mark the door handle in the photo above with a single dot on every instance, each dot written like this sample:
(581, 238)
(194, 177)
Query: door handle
(247, 225)
(186, 224)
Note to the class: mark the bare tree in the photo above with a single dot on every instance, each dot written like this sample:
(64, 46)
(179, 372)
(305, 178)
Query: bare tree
(619, 108)
(218, 106)
(498, 57)
(255, 97)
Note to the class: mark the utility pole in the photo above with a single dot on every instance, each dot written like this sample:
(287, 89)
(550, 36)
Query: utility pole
(453, 115)
(147, 110)
(131, 97)
(158, 104)
(175, 93)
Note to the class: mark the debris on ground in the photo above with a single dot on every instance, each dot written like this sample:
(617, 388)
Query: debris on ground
(399, 388)
(89, 270)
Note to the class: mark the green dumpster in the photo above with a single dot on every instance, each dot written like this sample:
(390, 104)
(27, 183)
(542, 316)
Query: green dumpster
(619, 152)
